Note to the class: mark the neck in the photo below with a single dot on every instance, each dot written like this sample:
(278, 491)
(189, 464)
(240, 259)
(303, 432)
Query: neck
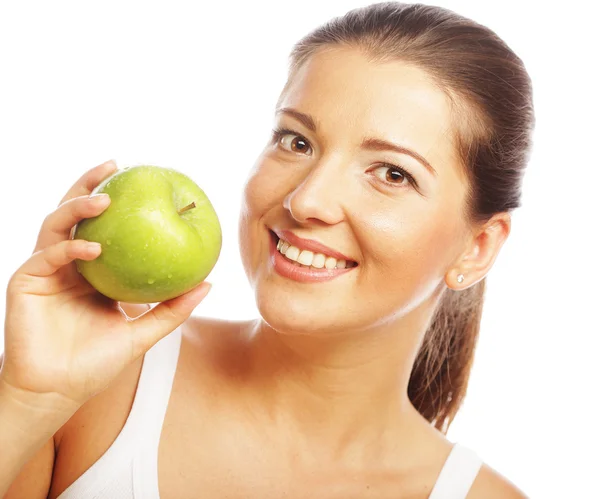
(337, 390)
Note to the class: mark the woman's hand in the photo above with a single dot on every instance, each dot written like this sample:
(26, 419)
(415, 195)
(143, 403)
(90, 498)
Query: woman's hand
(63, 339)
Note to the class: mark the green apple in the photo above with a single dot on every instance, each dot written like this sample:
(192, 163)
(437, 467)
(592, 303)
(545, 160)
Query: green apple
(160, 236)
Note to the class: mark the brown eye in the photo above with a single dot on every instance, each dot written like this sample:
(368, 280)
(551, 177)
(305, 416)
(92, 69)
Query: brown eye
(394, 175)
(295, 143)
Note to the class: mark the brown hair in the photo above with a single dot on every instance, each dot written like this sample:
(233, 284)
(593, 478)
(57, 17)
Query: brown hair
(490, 93)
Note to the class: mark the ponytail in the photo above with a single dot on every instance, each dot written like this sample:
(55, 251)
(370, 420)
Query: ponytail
(440, 375)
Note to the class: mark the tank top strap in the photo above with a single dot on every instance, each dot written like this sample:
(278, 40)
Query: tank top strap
(457, 475)
(150, 406)
(129, 468)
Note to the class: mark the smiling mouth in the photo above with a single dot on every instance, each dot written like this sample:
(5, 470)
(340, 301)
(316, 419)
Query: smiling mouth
(309, 259)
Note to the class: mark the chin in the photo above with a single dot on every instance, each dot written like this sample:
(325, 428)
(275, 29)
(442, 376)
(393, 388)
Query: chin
(293, 317)
(290, 315)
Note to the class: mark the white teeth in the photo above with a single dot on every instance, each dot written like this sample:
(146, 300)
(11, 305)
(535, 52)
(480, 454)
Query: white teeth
(330, 262)
(318, 261)
(292, 253)
(310, 259)
(305, 258)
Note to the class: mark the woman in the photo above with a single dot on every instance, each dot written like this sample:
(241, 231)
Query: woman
(369, 223)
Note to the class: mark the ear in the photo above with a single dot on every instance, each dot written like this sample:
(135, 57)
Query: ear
(481, 252)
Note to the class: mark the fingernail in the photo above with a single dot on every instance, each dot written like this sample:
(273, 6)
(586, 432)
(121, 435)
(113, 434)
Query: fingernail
(100, 197)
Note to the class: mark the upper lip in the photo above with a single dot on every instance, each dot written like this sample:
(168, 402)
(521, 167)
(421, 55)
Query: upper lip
(309, 244)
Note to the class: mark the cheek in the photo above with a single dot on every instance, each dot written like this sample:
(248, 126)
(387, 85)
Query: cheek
(258, 197)
(249, 209)
(251, 200)
(244, 236)
(262, 187)
(409, 246)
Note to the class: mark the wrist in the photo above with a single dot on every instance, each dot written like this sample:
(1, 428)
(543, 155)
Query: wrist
(44, 409)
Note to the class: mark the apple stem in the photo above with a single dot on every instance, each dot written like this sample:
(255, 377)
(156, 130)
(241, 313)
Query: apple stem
(188, 207)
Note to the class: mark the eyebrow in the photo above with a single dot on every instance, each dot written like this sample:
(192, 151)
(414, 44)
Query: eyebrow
(371, 144)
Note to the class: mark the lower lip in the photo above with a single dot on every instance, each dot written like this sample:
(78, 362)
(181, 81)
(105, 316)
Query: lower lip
(284, 267)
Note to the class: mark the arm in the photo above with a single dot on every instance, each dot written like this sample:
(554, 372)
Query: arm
(48, 372)
(35, 478)
(27, 426)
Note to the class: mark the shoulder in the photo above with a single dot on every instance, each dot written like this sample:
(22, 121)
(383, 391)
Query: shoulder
(489, 484)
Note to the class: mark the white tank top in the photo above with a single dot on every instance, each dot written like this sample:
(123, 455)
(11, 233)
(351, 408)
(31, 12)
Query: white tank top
(129, 468)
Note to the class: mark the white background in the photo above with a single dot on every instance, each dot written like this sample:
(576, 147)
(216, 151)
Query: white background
(193, 87)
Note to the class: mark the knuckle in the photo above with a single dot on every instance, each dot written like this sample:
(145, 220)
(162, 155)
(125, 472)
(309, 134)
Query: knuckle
(13, 284)
(84, 206)
(17, 284)
(75, 206)
(167, 315)
(48, 220)
(76, 244)
(70, 247)
(81, 206)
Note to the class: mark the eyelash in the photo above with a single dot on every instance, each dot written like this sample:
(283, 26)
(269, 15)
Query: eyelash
(279, 132)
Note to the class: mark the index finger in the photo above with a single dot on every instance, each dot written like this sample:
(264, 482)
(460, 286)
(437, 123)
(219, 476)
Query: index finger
(89, 180)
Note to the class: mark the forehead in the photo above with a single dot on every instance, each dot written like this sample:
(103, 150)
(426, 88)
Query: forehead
(346, 93)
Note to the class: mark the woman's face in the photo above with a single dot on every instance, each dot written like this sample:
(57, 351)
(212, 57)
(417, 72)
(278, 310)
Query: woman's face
(322, 184)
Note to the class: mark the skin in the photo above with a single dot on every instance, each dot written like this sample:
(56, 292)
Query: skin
(310, 398)
(334, 358)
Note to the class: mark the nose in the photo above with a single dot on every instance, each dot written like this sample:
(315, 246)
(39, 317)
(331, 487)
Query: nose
(319, 196)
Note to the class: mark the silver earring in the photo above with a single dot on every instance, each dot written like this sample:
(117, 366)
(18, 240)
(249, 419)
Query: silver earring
(460, 278)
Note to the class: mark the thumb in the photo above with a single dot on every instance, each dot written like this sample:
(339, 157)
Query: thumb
(153, 325)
